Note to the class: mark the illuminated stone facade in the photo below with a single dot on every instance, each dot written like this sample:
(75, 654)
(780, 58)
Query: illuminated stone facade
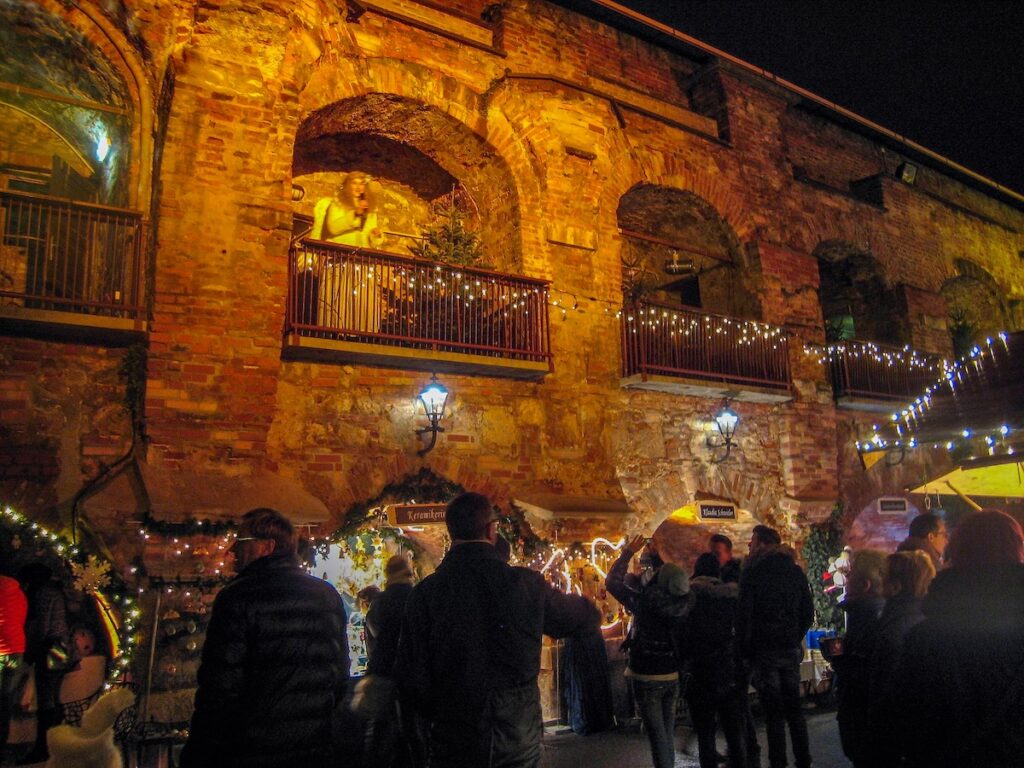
(564, 132)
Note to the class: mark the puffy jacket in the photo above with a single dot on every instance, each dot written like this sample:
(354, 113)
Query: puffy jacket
(958, 692)
(657, 620)
(469, 656)
(775, 605)
(709, 646)
(13, 609)
(274, 665)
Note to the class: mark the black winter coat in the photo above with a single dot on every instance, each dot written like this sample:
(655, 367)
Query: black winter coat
(469, 656)
(709, 646)
(775, 605)
(657, 621)
(853, 674)
(384, 625)
(900, 615)
(274, 665)
(959, 688)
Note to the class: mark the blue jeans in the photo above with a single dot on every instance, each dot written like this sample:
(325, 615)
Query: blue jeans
(656, 701)
(777, 679)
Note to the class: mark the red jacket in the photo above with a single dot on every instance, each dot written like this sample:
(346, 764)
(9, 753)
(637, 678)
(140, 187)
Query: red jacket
(13, 607)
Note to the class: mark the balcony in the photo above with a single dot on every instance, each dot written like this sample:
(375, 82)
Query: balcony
(872, 377)
(70, 269)
(358, 305)
(688, 351)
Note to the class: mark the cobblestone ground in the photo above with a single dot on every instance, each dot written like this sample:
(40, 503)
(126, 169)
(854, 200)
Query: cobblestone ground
(626, 747)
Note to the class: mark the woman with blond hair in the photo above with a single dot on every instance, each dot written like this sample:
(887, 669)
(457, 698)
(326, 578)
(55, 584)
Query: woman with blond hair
(907, 575)
(959, 687)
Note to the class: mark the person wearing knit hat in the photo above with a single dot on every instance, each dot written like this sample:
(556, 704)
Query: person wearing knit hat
(659, 602)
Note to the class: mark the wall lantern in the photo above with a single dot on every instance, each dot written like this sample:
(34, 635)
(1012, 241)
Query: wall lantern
(906, 172)
(434, 398)
(678, 264)
(725, 422)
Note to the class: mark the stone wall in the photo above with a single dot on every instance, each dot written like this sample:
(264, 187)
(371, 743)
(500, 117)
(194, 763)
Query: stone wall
(547, 133)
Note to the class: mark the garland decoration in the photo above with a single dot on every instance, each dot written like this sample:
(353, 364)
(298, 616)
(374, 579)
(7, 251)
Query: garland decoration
(823, 545)
(92, 575)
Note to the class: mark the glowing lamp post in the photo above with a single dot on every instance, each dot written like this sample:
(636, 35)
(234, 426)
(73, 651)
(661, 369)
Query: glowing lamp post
(434, 398)
(725, 422)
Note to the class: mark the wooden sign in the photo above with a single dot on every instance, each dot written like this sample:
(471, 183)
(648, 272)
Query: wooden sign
(717, 511)
(416, 514)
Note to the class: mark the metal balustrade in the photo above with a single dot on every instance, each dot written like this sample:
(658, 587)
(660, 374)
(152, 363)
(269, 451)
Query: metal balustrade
(343, 293)
(68, 256)
(668, 340)
(864, 369)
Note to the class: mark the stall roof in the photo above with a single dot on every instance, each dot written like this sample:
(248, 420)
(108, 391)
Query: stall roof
(998, 476)
(187, 494)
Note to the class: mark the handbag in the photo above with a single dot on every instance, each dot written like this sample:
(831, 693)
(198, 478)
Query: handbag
(373, 697)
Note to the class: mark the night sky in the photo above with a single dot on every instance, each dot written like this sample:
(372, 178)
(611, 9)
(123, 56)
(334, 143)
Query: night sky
(949, 76)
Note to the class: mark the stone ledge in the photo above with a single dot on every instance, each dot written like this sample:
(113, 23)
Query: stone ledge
(298, 347)
(70, 326)
(746, 393)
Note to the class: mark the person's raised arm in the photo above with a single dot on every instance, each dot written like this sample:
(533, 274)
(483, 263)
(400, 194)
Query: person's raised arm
(615, 582)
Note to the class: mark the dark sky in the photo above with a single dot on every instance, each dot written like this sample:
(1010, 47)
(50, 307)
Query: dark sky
(947, 75)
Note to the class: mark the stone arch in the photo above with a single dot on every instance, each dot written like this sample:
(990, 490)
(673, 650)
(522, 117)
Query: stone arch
(81, 54)
(442, 124)
(856, 299)
(676, 247)
(977, 307)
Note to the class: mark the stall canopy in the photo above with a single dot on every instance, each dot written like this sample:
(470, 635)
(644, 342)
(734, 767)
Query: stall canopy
(998, 476)
(975, 410)
(177, 495)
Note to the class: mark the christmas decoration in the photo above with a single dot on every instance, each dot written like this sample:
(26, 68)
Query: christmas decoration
(92, 575)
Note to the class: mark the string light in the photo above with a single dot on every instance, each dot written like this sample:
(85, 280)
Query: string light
(115, 591)
(952, 375)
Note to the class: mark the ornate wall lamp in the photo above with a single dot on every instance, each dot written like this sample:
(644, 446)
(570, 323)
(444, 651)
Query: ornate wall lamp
(434, 398)
(725, 422)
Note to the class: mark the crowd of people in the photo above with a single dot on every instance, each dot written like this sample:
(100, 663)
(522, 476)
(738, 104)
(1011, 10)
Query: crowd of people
(930, 670)
(50, 656)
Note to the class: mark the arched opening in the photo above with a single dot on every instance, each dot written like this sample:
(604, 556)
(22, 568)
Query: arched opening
(676, 248)
(417, 156)
(975, 304)
(67, 129)
(70, 133)
(856, 300)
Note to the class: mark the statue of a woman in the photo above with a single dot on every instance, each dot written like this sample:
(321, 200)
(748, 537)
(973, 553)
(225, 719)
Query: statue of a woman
(349, 285)
(350, 217)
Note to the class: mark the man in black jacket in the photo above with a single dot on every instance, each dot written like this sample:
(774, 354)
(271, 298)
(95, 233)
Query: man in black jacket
(275, 661)
(774, 615)
(469, 654)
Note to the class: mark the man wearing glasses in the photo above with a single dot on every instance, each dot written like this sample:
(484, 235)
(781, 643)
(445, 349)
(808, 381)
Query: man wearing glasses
(469, 654)
(927, 534)
(275, 661)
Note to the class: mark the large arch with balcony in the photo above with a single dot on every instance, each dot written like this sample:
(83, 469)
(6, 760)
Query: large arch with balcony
(75, 143)
(431, 259)
(690, 325)
(976, 305)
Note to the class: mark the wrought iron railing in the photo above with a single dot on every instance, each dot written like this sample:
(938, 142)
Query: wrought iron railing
(358, 294)
(669, 340)
(879, 371)
(58, 254)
